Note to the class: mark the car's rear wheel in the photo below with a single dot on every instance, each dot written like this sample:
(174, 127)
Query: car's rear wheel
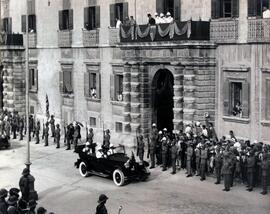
(83, 169)
(118, 177)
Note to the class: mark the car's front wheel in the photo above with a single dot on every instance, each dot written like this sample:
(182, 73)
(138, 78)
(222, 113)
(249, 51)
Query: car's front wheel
(83, 169)
(118, 177)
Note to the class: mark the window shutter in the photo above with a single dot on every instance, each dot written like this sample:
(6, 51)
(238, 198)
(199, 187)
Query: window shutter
(112, 15)
(177, 10)
(235, 8)
(252, 8)
(36, 79)
(112, 92)
(86, 18)
(30, 79)
(31, 7)
(160, 6)
(9, 25)
(99, 86)
(60, 19)
(125, 10)
(216, 8)
(70, 16)
(24, 23)
(245, 99)
(86, 85)
(97, 15)
(226, 98)
(61, 81)
(34, 23)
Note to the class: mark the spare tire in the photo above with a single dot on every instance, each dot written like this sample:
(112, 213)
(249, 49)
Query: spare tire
(118, 177)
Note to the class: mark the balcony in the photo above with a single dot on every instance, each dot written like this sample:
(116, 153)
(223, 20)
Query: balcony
(64, 38)
(224, 30)
(11, 39)
(32, 41)
(90, 37)
(114, 36)
(258, 30)
(176, 31)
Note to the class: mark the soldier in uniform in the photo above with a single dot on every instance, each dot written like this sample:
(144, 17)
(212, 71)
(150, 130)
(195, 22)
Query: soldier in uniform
(52, 123)
(198, 156)
(234, 160)
(251, 161)
(106, 141)
(46, 135)
(14, 125)
(37, 132)
(90, 137)
(203, 157)
(189, 154)
(151, 152)
(227, 171)
(57, 135)
(174, 156)
(7, 128)
(158, 148)
(70, 132)
(140, 149)
(164, 153)
(31, 126)
(218, 164)
(265, 163)
(21, 127)
(76, 135)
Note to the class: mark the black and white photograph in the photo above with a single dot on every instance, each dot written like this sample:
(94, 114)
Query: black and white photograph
(134, 106)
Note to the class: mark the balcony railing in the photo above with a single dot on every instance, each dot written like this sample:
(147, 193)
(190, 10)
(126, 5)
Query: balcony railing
(90, 37)
(114, 36)
(64, 38)
(258, 30)
(224, 31)
(176, 31)
(32, 41)
(11, 39)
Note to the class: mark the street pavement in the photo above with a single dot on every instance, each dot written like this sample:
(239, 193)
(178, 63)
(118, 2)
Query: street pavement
(62, 190)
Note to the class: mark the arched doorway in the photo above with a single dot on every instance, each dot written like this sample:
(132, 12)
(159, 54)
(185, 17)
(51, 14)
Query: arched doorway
(162, 99)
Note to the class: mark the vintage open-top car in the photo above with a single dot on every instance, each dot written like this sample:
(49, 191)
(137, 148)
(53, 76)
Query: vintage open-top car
(115, 164)
(4, 142)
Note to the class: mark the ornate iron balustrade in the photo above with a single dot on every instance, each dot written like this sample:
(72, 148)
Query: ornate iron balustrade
(64, 38)
(114, 36)
(176, 31)
(90, 37)
(224, 31)
(11, 39)
(258, 30)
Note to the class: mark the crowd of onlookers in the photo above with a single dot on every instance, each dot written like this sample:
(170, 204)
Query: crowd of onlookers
(12, 203)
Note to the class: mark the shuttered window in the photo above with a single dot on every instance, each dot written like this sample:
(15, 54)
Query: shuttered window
(7, 25)
(118, 127)
(33, 80)
(65, 82)
(255, 7)
(66, 20)
(119, 11)
(224, 9)
(92, 18)
(92, 85)
(31, 23)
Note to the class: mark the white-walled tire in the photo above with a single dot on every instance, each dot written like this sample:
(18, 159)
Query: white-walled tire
(83, 169)
(118, 177)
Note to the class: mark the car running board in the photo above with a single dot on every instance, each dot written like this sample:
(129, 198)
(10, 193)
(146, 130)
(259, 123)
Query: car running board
(99, 174)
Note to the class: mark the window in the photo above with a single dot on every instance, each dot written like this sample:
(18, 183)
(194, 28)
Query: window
(117, 87)
(33, 80)
(255, 7)
(172, 6)
(65, 19)
(118, 127)
(119, 11)
(93, 122)
(32, 110)
(31, 23)
(92, 18)
(236, 98)
(225, 8)
(7, 25)
(92, 87)
(65, 79)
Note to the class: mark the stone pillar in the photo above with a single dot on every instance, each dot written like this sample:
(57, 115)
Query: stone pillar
(189, 94)
(145, 100)
(135, 105)
(178, 96)
(243, 21)
(126, 97)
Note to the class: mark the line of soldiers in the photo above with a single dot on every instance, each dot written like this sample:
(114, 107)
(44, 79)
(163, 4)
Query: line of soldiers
(198, 150)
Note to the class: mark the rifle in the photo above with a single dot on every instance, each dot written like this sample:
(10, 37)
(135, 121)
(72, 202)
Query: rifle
(148, 143)
(43, 130)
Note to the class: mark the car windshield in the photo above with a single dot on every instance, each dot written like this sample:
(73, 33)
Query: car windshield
(120, 149)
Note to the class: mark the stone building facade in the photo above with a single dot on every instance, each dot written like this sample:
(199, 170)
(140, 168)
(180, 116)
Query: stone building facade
(93, 75)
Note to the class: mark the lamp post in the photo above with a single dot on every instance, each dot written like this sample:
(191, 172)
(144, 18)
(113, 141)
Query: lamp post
(27, 163)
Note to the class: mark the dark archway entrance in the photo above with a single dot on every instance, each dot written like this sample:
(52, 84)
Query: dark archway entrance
(162, 99)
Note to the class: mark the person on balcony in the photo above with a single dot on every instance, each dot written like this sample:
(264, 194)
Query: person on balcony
(266, 13)
(162, 18)
(157, 18)
(151, 20)
(169, 18)
(118, 23)
(132, 21)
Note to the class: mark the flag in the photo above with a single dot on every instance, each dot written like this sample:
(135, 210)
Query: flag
(47, 107)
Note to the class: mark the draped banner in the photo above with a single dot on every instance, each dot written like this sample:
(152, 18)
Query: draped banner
(163, 30)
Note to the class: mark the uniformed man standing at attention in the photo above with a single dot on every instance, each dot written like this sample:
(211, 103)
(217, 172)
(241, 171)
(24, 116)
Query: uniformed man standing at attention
(189, 154)
(21, 127)
(265, 164)
(140, 149)
(153, 145)
(218, 164)
(46, 135)
(198, 156)
(251, 161)
(106, 141)
(52, 121)
(204, 155)
(57, 135)
(174, 154)
(37, 132)
(227, 171)
(164, 152)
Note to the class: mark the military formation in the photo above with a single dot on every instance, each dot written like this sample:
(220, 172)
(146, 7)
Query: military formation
(198, 151)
